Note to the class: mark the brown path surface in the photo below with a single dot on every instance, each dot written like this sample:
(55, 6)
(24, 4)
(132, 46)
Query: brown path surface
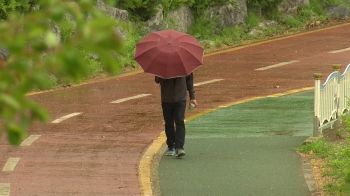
(98, 151)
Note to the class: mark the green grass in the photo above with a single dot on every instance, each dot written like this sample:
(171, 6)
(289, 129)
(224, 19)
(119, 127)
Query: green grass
(337, 156)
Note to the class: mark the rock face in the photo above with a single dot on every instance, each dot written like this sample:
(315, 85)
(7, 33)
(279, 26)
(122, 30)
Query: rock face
(4, 53)
(229, 16)
(338, 11)
(113, 12)
(56, 30)
(290, 7)
(180, 19)
(156, 23)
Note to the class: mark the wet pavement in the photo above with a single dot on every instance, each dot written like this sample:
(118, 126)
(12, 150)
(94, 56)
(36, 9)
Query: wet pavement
(245, 149)
(102, 148)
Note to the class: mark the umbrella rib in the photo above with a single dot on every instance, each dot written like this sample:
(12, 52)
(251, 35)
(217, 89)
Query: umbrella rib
(152, 60)
(184, 68)
(192, 54)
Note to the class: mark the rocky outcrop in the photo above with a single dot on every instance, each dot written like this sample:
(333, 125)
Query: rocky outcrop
(4, 53)
(56, 30)
(180, 19)
(261, 26)
(338, 11)
(156, 23)
(228, 15)
(116, 13)
(290, 7)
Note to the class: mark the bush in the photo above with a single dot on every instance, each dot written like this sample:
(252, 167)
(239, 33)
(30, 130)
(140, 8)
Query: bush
(139, 9)
(126, 57)
(203, 28)
(252, 20)
(293, 23)
(174, 4)
(268, 7)
(8, 6)
(318, 6)
(318, 148)
(199, 7)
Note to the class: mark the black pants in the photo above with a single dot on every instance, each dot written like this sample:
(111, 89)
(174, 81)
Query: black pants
(174, 113)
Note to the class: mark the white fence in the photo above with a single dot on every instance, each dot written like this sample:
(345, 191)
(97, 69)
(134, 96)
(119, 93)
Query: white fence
(331, 99)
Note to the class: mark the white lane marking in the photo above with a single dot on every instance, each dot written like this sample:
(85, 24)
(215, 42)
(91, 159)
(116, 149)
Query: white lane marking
(277, 65)
(10, 164)
(338, 51)
(5, 189)
(207, 82)
(29, 141)
(130, 98)
(65, 117)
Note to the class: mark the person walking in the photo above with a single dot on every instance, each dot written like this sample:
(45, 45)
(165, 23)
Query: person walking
(174, 99)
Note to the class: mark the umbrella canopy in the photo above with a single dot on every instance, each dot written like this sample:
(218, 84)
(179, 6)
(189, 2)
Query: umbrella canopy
(169, 54)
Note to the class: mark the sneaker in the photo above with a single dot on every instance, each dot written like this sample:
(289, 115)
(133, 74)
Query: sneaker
(170, 152)
(180, 152)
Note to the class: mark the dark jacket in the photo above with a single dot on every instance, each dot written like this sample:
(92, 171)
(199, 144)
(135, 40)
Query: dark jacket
(175, 89)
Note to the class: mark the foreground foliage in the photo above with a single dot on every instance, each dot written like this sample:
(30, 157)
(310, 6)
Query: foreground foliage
(37, 55)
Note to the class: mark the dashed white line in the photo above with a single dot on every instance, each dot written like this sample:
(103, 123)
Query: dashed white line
(277, 65)
(10, 164)
(5, 189)
(207, 82)
(65, 117)
(29, 141)
(338, 51)
(130, 98)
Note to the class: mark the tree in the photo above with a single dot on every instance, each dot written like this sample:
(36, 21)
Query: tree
(36, 53)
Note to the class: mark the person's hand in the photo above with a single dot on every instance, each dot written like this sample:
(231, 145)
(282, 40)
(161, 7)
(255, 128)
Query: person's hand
(194, 102)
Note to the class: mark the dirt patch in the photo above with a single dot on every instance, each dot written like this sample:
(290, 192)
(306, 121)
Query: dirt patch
(318, 170)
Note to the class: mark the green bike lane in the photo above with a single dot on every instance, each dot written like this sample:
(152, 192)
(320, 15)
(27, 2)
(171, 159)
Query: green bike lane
(244, 149)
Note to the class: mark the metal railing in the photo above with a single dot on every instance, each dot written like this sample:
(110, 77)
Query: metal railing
(331, 99)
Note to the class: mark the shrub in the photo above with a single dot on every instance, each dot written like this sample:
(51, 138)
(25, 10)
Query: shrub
(139, 9)
(268, 7)
(8, 6)
(199, 7)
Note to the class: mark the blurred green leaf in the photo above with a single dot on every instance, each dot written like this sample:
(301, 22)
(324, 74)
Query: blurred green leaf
(57, 13)
(50, 39)
(38, 58)
(9, 101)
(15, 133)
(38, 112)
(25, 121)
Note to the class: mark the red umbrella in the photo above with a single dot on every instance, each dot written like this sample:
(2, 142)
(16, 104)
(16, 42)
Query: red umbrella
(169, 54)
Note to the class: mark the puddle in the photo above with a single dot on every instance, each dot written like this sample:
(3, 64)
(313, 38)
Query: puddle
(287, 132)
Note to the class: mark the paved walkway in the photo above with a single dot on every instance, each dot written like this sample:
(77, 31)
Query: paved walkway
(246, 149)
(114, 122)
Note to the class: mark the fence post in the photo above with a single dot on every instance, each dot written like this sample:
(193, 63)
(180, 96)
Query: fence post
(336, 68)
(317, 77)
